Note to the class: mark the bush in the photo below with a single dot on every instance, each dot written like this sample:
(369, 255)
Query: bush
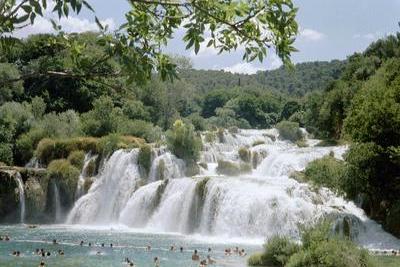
(277, 252)
(144, 158)
(183, 142)
(244, 154)
(6, 154)
(256, 259)
(289, 131)
(258, 142)
(50, 149)
(66, 176)
(201, 187)
(332, 253)
(142, 129)
(327, 172)
(231, 168)
(77, 158)
(26, 144)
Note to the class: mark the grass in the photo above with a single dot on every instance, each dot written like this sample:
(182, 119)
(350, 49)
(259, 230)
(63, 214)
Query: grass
(386, 261)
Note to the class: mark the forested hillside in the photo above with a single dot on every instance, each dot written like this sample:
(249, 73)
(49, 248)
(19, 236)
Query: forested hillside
(302, 79)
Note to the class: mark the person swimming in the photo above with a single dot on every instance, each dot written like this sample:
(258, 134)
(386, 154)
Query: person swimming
(42, 263)
(148, 248)
(172, 248)
(156, 262)
(210, 260)
(90, 244)
(111, 245)
(48, 254)
(7, 238)
(203, 263)
(242, 253)
(102, 245)
(195, 256)
(81, 243)
(54, 242)
(181, 249)
(209, 250)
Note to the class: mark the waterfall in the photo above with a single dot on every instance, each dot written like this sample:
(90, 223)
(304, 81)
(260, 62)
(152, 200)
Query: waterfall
(21, 193)
(83, 175)
(57, 203)
(256, 205)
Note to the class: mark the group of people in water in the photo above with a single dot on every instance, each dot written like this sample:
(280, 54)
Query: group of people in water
(195, 256)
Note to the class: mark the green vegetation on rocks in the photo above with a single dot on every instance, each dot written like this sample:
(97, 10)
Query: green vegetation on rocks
(230, 168)
(76, 158)
(66, 176)
(319, 247)
(183, 141)
(327, 171)
(244, 154)
(144, 158)
(289, 131)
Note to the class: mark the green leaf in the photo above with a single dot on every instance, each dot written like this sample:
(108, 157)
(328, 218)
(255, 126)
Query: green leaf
(99, 23)
(86, 4)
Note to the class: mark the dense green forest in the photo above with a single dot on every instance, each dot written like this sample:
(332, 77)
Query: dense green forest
(357, 101)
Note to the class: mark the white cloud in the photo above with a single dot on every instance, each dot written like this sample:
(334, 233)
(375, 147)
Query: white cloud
(70, 24)
(243, 67)
(271, 62)
(369, 36)
(311, 35)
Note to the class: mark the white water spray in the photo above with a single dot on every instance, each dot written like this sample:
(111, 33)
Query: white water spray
(257, 205)
(21, 193)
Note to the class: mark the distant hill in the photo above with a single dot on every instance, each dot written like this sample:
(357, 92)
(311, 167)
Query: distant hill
(304, 78)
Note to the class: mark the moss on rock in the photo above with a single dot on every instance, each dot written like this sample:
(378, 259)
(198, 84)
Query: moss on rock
(76, 158)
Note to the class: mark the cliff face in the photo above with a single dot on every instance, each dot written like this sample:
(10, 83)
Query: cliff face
(34, 189)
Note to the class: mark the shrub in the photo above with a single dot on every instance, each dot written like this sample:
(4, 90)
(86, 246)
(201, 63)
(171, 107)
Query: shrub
(327, 172)
(144, 157)
(256, 259)
(258, 142)
(332, 253)
(231, 168)
(201, 187)
(142, 129)
(110, 143)
(66, 175)
(6, 154)
(183, 142)
(393, 219)
(244, 154)
(76, 158)
(50, 149)
(289, 131)
(26, 144)
(277, 252)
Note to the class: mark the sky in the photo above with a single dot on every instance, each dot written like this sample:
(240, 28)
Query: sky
(329, 29)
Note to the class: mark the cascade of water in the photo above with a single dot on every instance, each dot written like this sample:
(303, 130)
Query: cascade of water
(21, 193)
(258, 205)
(57, 203)
(83, 175)
(110, 191)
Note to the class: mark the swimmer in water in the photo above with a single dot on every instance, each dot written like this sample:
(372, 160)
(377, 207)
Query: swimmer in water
(54, 242)
(81, 243)
(156, 262)
(210, 260)
(148, 247)
(195, 256)
(181, 249)
(41, 264)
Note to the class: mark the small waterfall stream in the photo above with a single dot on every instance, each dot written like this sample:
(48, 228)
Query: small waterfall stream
(83, 175)
(21, 193)
(254, 205)
(57, 203)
